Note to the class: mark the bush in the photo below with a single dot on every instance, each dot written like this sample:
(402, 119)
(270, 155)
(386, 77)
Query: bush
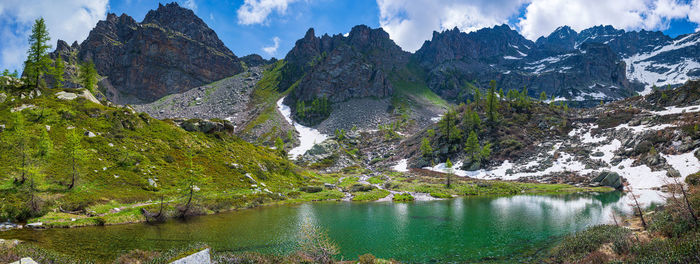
(582, 243)
(403, 197)
(367, 259)
(673, 250)
(440, 195)
(373, 195)
(693, 179)
(311, 189)
(361, 188)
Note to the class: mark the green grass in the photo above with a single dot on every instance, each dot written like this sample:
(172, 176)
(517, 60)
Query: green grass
(375, 180)
(372, 195)
(409, 84)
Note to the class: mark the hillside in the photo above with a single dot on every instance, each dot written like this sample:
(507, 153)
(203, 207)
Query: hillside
(128, 160)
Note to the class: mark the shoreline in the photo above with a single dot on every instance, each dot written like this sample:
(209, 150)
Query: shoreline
(77, 221)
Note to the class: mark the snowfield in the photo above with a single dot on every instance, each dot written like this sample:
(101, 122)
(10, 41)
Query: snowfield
(308, 136)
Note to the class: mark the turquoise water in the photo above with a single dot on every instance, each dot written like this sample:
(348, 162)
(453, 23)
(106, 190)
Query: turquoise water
(464, 229)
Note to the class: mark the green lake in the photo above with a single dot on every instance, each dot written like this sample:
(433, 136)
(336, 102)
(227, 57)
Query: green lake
(470, 229)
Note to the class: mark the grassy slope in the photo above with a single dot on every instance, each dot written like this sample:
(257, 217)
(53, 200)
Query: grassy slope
(409, 86)
(142, 148)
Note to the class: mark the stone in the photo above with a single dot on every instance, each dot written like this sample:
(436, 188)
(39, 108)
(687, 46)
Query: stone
(3, 97)
(25, 261)
(673, 173)
(66, 95)
(152, 182)
(89, 134)
(201, 257)
(22, 107)
(607, 178)
(2, 127)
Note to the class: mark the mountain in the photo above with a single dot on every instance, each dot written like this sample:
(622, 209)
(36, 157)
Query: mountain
(170, 51)
(456, 60)
(341, 67)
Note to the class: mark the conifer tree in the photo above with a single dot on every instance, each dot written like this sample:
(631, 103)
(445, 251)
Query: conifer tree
(57, 73)
(425, 148)
(87, 75)
(448, 164)
(37, 60)
(448, 127)
(21, 142)
(543, 96)
(75, 154)
(491, 103)
(471, 147)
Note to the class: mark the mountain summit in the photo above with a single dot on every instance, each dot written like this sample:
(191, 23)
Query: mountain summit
(170, 51)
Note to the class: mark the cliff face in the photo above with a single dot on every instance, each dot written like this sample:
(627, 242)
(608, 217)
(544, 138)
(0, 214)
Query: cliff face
(343, 67)
(170, 51)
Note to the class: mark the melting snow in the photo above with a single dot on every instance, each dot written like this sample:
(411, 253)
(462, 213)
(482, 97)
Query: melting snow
(678, 110)
(402, 166)
(511, 58)
(307, 136)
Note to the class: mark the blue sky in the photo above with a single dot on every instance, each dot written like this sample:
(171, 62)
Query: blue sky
(270, 27)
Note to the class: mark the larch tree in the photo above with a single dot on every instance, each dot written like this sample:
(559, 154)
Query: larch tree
(87, 75)
(21, 146)
(74, 152)
(191, 182)
(448, 127)
(492, 103)
(449, 165)
(57, 73)
(425, 148)
(38, 62)
(471, 147)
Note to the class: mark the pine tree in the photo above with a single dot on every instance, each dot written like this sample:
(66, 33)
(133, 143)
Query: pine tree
(57, 73)
(477, 95)
(87, 75)
(485, 151)
(491, 103)
(543, 96)
(75, 154)
(37, 60)
(425, 148)
(471, 147)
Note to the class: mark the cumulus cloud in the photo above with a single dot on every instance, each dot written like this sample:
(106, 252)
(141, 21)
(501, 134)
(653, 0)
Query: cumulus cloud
(410, 22)
(271, 50)
(257, 11)
(543, 16)
(69, 20)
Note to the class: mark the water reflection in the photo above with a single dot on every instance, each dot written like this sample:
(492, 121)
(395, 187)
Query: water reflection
(464, 229)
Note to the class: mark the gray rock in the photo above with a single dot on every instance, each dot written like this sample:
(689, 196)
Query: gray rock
(89, 134)
(25, 261)
(607, 178)
(201, 257)
(3, 97)
(671, 172)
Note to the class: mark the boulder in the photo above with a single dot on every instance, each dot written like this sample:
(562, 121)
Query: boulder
(673, 173)
(607, 178)
(201, 257)
(3, 97)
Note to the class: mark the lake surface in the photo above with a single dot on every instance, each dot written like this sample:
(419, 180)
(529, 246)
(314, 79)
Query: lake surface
(462, 229)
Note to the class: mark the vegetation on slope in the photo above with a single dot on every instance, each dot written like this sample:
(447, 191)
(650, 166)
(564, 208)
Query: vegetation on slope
(126, 159)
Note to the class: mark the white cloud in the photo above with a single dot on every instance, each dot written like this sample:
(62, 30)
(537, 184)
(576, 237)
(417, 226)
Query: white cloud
(694, 14)
(543, 16)
(190, 4)
(410, 22)
(69, 20)
(271, 50)
(257, 11)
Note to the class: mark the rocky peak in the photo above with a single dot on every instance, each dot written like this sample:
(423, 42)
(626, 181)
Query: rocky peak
(562, 39)
(171, 51)
(173, 17)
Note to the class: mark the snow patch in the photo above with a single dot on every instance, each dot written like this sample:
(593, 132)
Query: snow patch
(402, 166)
(308, 137)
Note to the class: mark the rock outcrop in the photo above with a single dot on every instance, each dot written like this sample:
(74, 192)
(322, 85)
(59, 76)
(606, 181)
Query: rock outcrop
(342, 67)
(170, 51)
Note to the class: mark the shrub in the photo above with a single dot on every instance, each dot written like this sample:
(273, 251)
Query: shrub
(582, 243)
(373, 195)
(440, 195)
(311, 189)
(361, 188)
(693, 179)
(403, 197)
(367, 259)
